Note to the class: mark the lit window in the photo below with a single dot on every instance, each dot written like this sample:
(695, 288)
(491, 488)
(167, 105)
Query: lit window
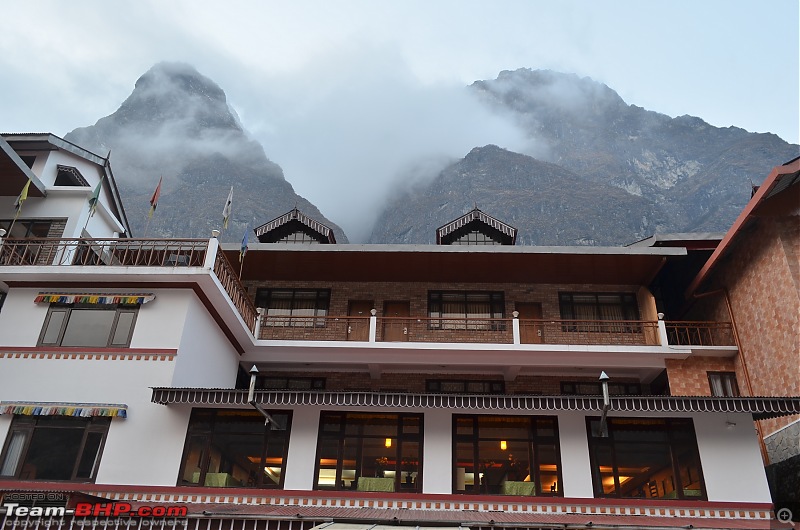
(90, 325)
(645, 458)
(723, 384)
(369, 452)
(471, 310)
(506, 455)
(54, 448)
(234, 449)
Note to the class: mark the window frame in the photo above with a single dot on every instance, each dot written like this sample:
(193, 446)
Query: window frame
(496, 307)
(198, 429)
(628, 305)
(119, 309)
(28, 426)
(264, 297)
(488, 386)
(534, 440)
(667, 425)
(343, 434)
(727, 381)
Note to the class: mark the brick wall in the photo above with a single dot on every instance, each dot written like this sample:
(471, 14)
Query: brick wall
(415, 382)
(689, 377)
(761, 276)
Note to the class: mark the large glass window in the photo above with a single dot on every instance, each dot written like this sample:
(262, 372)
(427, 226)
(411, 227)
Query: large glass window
(588, 308)
(506, 455)
(294, 307)
(235, 449)
(54, 448)
(369, 452)
(645, 458)
(465, 309)
(95, 325)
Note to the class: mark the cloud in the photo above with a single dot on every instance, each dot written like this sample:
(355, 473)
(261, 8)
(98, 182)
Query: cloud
(352, 123)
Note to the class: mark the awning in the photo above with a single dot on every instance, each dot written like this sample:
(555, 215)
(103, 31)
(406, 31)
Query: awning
(760, 407)
(94, 298)
(81, 410)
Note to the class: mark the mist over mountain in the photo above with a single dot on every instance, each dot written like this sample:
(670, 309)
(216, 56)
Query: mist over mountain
(177, 124)
(621, 172)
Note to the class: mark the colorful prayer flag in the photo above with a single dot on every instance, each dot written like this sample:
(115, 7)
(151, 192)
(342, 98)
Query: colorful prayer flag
(243, 250)
(23, 195)
(95, 198)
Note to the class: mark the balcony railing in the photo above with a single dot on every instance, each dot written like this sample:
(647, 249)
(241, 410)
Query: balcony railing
(700, 333)
(590, 332)
(314, 328)
(425, 329)
(171, 253)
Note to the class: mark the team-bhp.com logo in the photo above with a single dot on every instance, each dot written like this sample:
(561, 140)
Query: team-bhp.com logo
(88, 509)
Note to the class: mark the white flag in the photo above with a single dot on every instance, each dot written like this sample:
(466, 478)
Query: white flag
(226, 212)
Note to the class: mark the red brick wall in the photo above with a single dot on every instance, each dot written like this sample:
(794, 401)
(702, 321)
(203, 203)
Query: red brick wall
(761, 276)
(689, 377)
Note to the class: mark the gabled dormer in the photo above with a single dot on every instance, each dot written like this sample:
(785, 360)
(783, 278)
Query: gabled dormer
(295, 227)
(476, 228)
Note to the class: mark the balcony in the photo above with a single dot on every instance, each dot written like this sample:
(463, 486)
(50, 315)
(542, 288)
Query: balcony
(165, 254)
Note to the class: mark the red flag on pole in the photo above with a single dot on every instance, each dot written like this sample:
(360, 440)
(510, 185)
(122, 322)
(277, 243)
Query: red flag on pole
(154, 198)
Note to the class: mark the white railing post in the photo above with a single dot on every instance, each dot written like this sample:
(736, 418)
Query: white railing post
(373, 324)
(259, 313)
(515, 328)
(662, 330)
(211, 251)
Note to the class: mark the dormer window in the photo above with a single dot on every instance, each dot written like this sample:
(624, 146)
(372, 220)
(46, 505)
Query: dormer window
(476, 228)
(295, 227)
(69, 176)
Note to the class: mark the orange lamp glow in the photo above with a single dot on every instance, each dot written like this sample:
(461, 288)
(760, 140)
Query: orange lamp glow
(388, 442)
(503, 445)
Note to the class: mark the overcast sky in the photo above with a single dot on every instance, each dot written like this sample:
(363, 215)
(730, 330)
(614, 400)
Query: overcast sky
(345, 95)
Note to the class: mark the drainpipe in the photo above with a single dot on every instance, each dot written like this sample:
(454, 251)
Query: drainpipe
(742, 360)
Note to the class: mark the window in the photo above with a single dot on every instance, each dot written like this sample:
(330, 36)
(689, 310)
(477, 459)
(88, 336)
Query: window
(475, 237)
(234, 449)
(2, 298)
(596, 389)
(472, 310)
(506, 455)
(54, 448)
(294, 307)
(723, 384)
(449, 386)
(290, 383)
(89, 325)
(24, 229)
(369, 452)
(588, 308)
(69, 176)
(645, 458)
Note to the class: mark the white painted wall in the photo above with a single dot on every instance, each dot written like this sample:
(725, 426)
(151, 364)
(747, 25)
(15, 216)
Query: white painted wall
(437, 456)
(206, 357)
(576, 471)
(301, 460)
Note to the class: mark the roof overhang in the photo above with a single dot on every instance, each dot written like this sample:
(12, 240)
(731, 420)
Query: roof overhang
(14, 173)
(760, 407)
(437, 263)
(779, 179)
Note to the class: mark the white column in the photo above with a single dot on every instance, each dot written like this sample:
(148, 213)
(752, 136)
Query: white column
(438, 452)
(515, 328)
(302, 448)
(576, 471)
(211, 253)
(373, 324)
(662, 330)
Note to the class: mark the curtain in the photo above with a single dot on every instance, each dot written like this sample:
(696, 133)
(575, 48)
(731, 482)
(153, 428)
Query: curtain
(14, 453)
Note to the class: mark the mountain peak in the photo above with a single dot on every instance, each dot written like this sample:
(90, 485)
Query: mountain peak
(171, 92)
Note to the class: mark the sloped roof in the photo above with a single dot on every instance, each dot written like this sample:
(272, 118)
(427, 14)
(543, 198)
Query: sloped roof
(778, 181)
(325, 232)
(476, 215)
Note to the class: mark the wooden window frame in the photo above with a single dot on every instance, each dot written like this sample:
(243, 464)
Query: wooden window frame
(437, 321)
(489, 386)
(628, 305)
(264, 297)
(724, 377)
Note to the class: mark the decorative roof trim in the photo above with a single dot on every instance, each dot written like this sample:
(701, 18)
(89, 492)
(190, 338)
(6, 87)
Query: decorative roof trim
(760, 407)
(296, 215)
(476, 215)
(74, 172)
(81, 410)
(94, 298)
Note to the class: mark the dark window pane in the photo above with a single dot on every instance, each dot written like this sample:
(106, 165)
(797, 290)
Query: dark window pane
(88, 328)
(52, 453)
(90, 455)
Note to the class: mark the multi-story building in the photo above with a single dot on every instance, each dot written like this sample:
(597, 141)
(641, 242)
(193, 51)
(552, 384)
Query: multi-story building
(454, 384)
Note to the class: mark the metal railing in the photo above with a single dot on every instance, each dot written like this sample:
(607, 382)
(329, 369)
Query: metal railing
(314, 328)
(129, 253)
(426, 329)
(685, 333)
(589, 332)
